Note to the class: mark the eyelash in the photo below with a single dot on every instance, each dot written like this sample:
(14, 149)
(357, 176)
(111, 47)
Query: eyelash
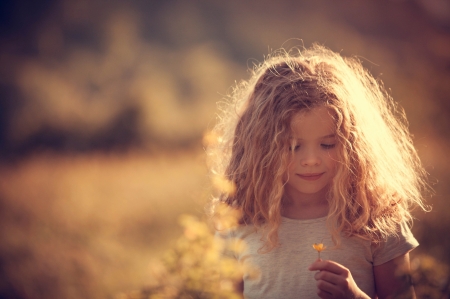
(328, 146)
(324, 146)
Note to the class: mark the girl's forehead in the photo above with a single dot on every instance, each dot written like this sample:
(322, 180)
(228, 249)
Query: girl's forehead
(319, 114)
(313, 123)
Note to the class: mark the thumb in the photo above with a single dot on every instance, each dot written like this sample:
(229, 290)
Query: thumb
(314, 265)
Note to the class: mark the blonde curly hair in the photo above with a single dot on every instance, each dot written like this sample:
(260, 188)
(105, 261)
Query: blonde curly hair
(379, 177)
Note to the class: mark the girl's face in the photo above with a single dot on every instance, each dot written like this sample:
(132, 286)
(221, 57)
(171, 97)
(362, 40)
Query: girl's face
(314, 147)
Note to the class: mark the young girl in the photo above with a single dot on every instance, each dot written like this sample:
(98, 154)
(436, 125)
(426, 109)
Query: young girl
(318, 153)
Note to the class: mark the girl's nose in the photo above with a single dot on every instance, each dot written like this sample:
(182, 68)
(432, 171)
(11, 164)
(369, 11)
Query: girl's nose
(310, 159)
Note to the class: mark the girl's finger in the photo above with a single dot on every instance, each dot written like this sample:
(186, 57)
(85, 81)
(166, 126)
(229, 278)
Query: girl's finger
(328, 276)
(328, 266)
(324, 295)
(326, 287)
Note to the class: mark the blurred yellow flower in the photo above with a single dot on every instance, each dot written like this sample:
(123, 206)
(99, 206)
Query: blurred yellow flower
(223, 185)
(319, 247)
(211, 138)
(226, 217)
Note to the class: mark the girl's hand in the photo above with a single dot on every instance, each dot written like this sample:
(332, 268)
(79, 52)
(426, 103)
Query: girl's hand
(335, 281)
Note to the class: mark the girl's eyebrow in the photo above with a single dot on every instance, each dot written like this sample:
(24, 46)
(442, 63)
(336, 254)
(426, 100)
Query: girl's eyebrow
(328, 136)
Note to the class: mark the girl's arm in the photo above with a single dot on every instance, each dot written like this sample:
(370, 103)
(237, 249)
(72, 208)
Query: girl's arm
(392, 278)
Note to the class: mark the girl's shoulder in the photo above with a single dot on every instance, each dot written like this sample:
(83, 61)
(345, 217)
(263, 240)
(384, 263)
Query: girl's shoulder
(394, 245)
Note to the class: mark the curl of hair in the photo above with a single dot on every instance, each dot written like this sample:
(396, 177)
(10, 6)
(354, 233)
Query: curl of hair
(379, 177)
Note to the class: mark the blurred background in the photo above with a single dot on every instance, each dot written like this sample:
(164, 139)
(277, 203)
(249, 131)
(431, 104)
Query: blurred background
(104, 104)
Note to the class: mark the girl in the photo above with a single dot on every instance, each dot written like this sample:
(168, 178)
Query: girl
(317, 152)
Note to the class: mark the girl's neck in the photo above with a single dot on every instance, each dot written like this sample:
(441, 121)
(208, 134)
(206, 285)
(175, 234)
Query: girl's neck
(305, 206)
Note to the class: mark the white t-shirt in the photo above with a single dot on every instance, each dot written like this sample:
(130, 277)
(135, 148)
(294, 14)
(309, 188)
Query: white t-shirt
(283, 272)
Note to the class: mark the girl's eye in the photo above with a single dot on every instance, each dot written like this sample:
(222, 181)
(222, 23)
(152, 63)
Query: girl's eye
(294, 147)
(328, 146)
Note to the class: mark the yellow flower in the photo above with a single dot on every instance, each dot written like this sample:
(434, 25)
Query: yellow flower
(319, 247)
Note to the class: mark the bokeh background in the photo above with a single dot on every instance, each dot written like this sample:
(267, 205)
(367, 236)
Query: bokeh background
(104, 105)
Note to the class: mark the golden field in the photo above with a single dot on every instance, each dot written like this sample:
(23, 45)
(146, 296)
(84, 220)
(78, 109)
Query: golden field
(89, 226)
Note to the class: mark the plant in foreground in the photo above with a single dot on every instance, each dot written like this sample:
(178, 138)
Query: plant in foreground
(196, 267)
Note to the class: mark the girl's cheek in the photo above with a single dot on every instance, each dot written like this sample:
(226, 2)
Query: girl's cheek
(335, 157)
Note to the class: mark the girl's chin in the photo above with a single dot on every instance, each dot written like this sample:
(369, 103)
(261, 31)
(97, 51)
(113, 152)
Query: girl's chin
(307, 194)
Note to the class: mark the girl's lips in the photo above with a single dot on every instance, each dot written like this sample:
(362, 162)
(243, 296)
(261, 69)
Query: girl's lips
(310, 176)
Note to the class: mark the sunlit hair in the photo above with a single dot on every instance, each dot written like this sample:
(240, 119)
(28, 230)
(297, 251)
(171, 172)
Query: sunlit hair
(379, 177)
